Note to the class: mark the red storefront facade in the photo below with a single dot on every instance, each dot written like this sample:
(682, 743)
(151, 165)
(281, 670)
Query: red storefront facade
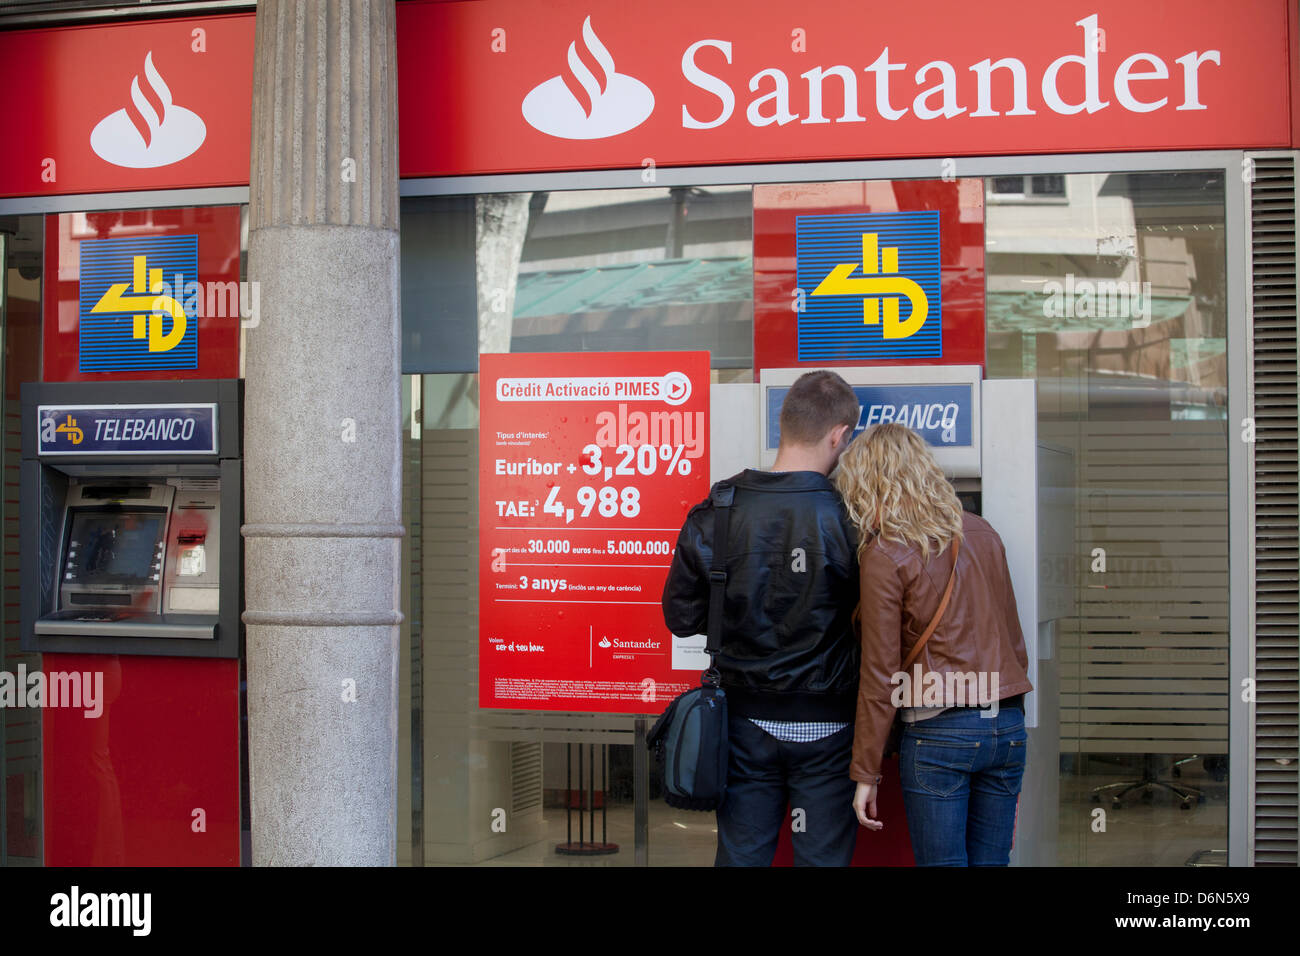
(1121, 142)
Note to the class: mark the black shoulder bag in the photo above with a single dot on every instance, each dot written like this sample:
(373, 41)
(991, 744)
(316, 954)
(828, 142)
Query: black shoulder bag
(691, 734)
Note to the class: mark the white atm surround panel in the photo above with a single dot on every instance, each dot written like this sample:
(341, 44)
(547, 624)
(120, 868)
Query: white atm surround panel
(1009, 500)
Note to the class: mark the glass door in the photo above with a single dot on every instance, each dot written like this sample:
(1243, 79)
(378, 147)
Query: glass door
(1109, 289)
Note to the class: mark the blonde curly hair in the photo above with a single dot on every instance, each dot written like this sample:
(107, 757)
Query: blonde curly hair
(892, 486)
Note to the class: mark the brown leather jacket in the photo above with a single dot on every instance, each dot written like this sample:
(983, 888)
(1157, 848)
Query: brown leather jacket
(978, 634)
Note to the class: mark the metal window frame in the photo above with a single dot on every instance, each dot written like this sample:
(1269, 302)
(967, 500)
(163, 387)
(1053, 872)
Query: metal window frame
(1249, 451)
(4, 719)
(144, 199)
(50, 15)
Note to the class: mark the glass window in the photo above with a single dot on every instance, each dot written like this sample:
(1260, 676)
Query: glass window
(1044, 187)
(1108, 289)
(1115, 302)
(599, 270)
(1052, 185)
(438, 289)
(617, 270)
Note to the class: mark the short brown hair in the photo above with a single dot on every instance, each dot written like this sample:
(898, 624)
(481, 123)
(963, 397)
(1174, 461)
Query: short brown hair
(816, 403)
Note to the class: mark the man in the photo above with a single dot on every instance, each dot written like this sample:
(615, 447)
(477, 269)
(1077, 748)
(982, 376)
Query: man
(789, 654)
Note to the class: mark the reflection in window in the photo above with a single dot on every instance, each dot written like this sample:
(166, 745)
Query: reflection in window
(1115, 301)
(1049, 186)
(620, 270)
(1128, 277)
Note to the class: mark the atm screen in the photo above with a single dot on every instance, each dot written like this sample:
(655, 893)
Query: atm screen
(118, 547)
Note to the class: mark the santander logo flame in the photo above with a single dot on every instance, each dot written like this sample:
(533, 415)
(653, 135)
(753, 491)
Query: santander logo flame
(151, 131)
(591, 100)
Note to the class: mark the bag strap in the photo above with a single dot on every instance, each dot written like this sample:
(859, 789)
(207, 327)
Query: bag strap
(915, 652)
(722, 500)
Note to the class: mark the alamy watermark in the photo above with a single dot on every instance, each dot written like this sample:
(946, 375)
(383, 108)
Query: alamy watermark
(77, 690)
(949, 689)
(212, 299)
(1098, 298)
(75, 908)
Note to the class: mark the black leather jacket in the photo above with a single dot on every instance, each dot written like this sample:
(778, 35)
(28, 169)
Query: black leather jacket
(789, 651)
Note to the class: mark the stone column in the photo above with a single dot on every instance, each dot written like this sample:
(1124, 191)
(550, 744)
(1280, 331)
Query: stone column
(322, 435)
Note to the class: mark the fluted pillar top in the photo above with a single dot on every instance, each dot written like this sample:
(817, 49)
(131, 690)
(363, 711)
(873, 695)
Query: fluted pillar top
(324, 138)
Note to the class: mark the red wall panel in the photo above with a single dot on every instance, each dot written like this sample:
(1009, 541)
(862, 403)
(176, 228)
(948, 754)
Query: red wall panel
(218, 230)
(131, 786)
(961, 245)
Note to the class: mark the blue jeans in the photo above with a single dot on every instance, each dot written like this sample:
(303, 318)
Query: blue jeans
(961, 775)
(763, 775)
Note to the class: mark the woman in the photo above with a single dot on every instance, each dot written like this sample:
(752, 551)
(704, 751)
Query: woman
(962, 752)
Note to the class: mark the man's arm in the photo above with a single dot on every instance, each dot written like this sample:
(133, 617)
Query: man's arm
(686, 592)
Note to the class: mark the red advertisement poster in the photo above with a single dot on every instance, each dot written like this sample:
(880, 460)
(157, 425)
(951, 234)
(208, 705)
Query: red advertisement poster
(588, 463)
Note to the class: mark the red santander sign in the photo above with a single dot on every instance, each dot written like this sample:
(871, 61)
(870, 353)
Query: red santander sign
(128, 106)
(682, 83)
(518, 86)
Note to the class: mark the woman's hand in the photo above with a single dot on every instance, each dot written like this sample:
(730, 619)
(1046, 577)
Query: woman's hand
(864, 805)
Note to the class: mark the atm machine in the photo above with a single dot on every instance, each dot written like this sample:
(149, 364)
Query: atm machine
(984, 435)
(132, 589)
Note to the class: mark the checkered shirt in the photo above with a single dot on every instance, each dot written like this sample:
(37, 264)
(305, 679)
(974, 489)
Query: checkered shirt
(799, 732)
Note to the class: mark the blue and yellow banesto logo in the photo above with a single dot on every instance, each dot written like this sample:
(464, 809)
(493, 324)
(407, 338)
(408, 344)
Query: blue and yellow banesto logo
(870, 286)
(53, 428)
(130, 306)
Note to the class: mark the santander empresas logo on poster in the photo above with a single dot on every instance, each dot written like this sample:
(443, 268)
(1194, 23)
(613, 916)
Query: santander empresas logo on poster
(590, 99)
(151, 130)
